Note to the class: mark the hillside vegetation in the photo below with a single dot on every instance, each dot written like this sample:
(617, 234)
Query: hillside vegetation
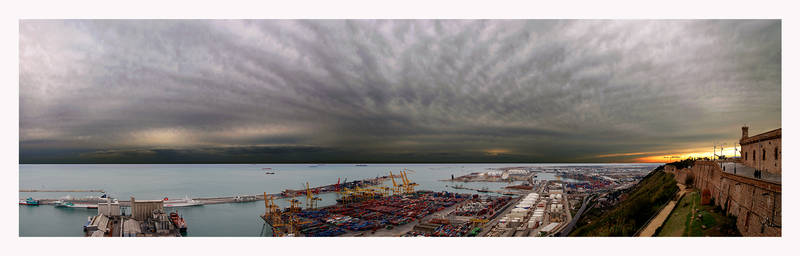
(640, 203)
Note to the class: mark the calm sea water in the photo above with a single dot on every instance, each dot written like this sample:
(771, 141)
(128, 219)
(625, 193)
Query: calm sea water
(178, 181)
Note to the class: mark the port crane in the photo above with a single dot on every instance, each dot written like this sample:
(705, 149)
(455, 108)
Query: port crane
(286, 219)
(407, 184)
(294, 205)
(311, 200)
(272, 216)
(478, 222)
(395, 187)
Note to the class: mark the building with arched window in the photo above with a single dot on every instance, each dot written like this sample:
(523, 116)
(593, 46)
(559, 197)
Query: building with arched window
(765, 150)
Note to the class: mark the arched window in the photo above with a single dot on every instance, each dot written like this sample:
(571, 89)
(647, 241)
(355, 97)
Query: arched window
(763, 154)
(776, 153)
(745, 156)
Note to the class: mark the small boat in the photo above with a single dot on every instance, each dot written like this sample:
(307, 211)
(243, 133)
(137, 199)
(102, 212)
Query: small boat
(266, 168)
(484, 190)
(458, 187)
(29, 201)
(269, 173)
(361, 165)
(178, 221)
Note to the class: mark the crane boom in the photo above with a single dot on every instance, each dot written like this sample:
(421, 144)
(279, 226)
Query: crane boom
(266, 203)
(393, 182)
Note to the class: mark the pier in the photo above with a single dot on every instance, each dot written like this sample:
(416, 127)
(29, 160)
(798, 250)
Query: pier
(62, 190)
(288, 193)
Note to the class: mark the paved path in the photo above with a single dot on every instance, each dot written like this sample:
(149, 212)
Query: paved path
(577, 217)
(656, 222)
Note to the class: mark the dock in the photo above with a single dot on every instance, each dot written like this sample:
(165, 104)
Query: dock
(288, 193)
(63, 190)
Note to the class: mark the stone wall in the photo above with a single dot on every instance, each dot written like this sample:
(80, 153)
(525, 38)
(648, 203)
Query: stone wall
(756, 204)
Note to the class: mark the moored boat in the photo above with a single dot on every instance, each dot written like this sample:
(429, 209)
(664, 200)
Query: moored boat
(178, 221)
(186, 201)
(67, 204)
(29, 201)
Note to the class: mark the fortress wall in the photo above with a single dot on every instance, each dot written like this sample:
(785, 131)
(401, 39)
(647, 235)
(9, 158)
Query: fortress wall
(756, 204)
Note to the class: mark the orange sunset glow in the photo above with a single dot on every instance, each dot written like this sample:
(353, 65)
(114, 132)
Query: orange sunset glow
(664, 157)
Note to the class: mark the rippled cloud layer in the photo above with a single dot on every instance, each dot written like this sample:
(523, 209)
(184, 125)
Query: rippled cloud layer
(394, 91)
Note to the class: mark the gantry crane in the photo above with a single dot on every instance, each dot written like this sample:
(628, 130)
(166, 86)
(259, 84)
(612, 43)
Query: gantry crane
(345, 195)
(272, 216)
(311, 200)
(272, 210)
(385, 191)
(286, 219)
(395, 187)
(478, 222)
(294, 205)
(407, 184)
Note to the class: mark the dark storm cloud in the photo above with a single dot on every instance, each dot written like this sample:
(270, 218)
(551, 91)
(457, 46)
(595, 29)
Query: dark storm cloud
(392, 90)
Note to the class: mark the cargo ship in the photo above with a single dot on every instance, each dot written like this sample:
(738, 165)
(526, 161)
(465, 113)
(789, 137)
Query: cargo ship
(65, 204)
(29, 201)
(186, 201)
(178, 221)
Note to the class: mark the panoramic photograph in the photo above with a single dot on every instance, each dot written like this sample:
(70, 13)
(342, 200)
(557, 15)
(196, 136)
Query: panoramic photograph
(522, 128)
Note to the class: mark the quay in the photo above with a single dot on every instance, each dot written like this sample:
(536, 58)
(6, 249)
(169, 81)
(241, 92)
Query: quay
(63, 190)
(387, 211)
(481, 190)
(147, 218)
(288, 193)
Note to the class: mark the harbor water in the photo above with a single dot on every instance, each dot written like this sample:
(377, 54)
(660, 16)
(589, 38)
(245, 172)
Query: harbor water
(217, 180)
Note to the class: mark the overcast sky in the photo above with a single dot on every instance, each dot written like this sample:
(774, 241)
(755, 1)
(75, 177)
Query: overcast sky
(392, 91)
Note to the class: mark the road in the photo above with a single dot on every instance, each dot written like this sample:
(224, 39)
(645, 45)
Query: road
(575, 219)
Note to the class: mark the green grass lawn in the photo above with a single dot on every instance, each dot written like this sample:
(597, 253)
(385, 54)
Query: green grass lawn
(708, 220)
(677, 220)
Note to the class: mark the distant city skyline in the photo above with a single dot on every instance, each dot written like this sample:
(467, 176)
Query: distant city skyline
(396, 91)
